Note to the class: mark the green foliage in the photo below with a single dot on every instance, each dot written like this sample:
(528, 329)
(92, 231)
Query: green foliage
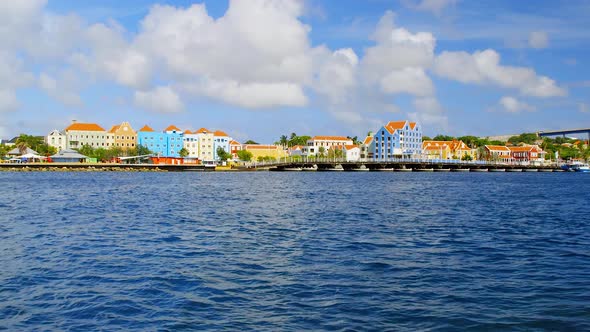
(139, 150)
(101, 154)
(354, 139)
(321, 151)
(222, 154)
(466, 157)
(265, 159)
(528, 138)
(183, 153)
(442, 138)
(292, 140)
(250, 142)
(245, 155)
(426, 138)
(4, 150)
(335, 153)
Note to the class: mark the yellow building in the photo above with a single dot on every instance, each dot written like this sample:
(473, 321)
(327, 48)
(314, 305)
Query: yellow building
(454, 149)
(125, 136)
(259, 150)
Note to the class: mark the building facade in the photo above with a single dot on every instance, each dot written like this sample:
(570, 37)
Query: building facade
(319, 145)
(260, 151)
(56, 139)
(205, 140)
(528, 154)
(125, 137)
(454, 149)
(397, 139)
(80, 134)
(156, 142)
(497, 153)
(220, 140)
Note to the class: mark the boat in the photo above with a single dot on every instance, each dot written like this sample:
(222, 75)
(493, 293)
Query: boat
(336, 168)
(312, 168)
(442, 169)
(581, 167)
(361, 168)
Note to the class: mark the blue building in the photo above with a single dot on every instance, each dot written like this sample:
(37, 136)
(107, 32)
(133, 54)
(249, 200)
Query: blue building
(220, 139)
(396, 139)
(163, 144)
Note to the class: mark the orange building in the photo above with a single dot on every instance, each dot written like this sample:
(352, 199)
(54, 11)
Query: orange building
(125, 136)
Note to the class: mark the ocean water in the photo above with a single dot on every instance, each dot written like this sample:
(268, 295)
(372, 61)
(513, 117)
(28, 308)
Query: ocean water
(294, 251)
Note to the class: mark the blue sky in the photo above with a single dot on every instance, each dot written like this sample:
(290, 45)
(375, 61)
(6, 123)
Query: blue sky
(258, 69)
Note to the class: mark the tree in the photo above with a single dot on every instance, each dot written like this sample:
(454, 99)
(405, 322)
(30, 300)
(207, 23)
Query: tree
(426, 138)
(184, 153)
(354, 139)
(284, 140)
(86, 150)
(245, 155)
(250, 142)
(321, 151)
(443, 138)
(466, 157)
(222, 155)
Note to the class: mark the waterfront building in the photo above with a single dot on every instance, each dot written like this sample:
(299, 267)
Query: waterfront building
(156, 142)
(234, 147)
(454, 149)
(532, 154)
(56, 139)
(366, 152)
(318, 145)
(175, 138)
(124, 135)
(220, 140)
(191, 144)
(352, 152)
(296, 150)
(205, 140)
(80, 134)
(260, 150)
(497, 153)
(69, 156)
(397, 139)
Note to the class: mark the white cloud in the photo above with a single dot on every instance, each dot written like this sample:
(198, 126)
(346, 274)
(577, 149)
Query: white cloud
(8, 101)
(513, 105)
(428, 111)
(335, 73)
(161, 99)
(64, 90)
(538, 39)
(434, 6)
(410, 80)
(484, 67)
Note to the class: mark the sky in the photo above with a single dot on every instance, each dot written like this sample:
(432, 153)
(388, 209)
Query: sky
(258, 69)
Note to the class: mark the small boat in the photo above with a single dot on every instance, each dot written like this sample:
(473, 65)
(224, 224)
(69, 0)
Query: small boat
(361, 168)
(312, 168)
(336, 168)
(581, 167)
(442, 169)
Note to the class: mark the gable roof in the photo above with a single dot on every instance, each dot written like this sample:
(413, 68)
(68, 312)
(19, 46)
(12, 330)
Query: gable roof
(219, 133)
(16, 151)
(84, 127)
(497, 148)
(202, 131)
(368, 140)
(331, 138)
(351, 146)
(233, 142)
(392, 126)
(171, 128)
(261, 147)
(114, 128)
(187, 132)
(146, 128)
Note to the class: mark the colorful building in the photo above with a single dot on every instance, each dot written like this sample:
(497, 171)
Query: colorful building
(124, 135)
(352, 152)
(191, 144)
(220, 140)
(397, 139)
(205, 139)
(80, 134)
(260, 150)
(234, 147)
(454, 149)
(56, 139)
(156, 142)
(318, 145)
(497, 153)
(527, 154)
(175, 138)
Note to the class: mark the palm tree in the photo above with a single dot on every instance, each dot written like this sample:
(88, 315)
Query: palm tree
(284, 140)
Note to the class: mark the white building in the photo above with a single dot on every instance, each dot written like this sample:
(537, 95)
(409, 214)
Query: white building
(352, 152)
(80, 134)
(191, 144)
(321, 144)
(205, 140)
(56, 139)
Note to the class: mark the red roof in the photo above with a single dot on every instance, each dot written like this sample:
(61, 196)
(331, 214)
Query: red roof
(84, 127)
(350, 147)
(368, 140)
(146, 128)
(202, 131)
(171, 128)
(331, 138)
(497, 148)
(219, 133)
